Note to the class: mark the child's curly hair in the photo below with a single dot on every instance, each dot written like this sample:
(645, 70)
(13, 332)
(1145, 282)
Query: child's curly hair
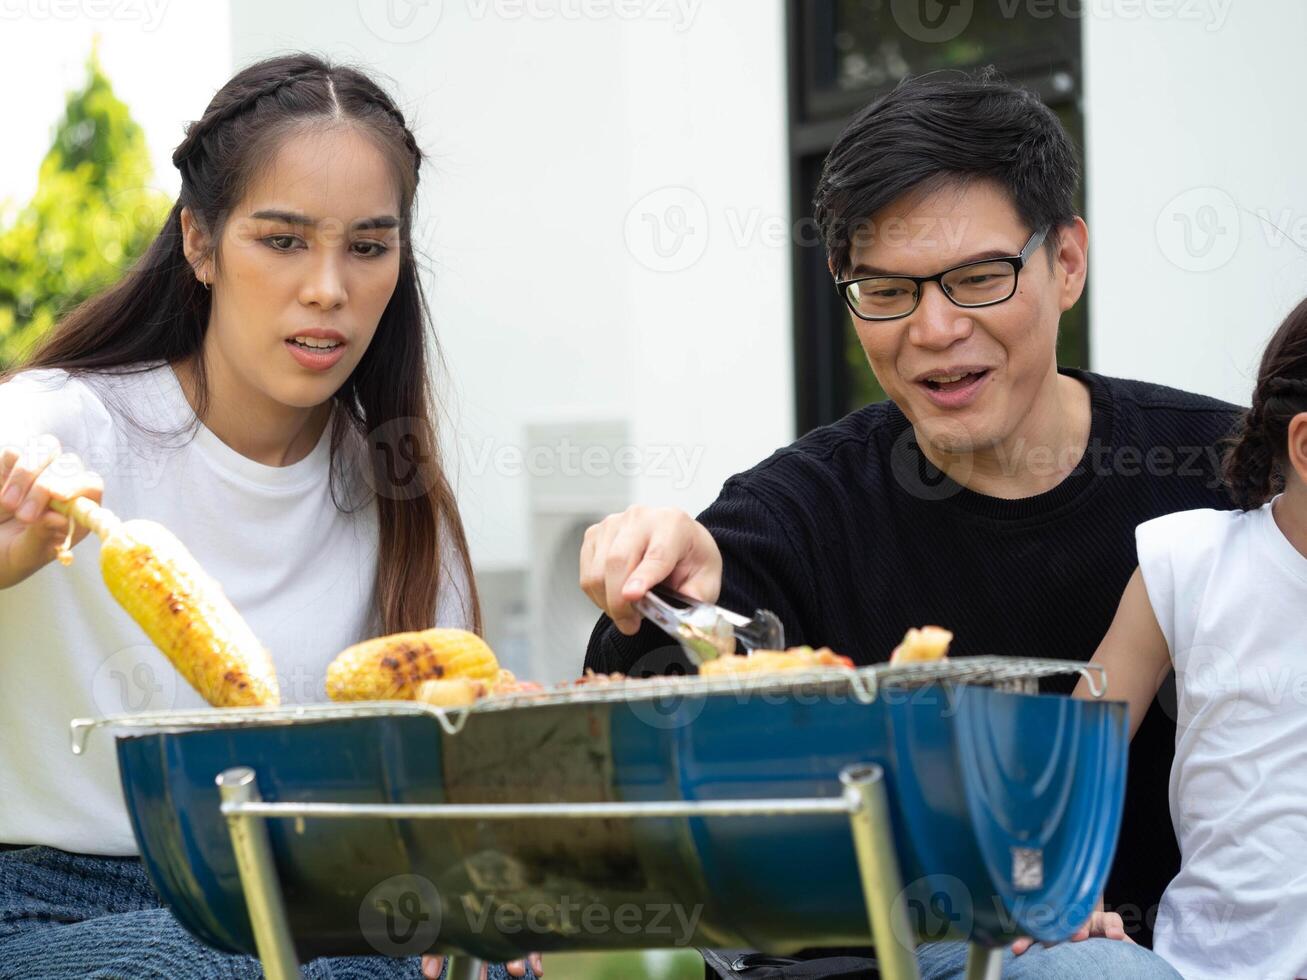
(1257, 455)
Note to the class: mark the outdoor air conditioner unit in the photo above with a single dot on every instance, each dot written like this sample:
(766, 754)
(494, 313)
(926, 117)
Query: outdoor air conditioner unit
(578, 474)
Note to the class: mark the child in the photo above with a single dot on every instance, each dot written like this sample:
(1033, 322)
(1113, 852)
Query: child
(258, 384)
(1221, 596)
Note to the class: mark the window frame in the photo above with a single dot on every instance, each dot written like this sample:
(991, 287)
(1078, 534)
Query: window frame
(821, 323)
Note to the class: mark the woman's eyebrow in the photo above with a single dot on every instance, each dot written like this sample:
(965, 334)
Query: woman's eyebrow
(295, 218)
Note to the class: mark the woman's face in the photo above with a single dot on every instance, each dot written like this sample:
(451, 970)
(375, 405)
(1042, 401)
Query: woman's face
(307, 263)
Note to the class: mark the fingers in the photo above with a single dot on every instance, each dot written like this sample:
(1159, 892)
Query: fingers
(1109, 925)
(669, 542)
(22, 465)
(8, 456)
(432, 965)
(612, 550)
(586, 560)
(625, 549)
(594, 549)
(626, 554)
(30, 479)
(1112, 926)
(1105, 924)
(518, 967)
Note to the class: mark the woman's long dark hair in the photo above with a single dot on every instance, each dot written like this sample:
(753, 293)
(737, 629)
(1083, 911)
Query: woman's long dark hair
(1257, 457)
(160, 311)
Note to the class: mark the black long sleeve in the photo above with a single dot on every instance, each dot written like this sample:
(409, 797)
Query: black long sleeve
(851, 536)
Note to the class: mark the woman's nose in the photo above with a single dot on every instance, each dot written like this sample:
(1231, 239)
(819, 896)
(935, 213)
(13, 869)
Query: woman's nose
(325, 285)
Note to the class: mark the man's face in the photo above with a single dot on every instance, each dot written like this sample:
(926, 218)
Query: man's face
(1007, 352)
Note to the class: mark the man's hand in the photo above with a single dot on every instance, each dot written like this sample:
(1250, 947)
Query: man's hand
(1107, 925)
(627, 554)
(432, 965)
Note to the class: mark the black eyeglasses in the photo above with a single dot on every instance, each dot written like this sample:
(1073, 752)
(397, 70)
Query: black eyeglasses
(973, 284)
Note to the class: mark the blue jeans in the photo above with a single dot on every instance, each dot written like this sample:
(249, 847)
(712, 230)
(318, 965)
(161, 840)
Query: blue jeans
(74, 915)
(1089, 958)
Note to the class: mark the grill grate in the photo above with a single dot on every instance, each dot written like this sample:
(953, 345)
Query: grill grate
(863, 684)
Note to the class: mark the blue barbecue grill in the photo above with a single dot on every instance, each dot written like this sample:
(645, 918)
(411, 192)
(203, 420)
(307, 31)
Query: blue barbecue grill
(773, 812)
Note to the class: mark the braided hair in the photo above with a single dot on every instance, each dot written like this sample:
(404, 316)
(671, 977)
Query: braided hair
(299, 85)
(1257, 456)
(160, 311)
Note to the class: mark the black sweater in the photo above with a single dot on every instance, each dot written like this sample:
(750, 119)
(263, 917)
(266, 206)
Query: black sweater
(851, 536)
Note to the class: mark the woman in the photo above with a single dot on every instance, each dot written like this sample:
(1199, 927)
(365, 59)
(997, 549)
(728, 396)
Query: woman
(257, 383)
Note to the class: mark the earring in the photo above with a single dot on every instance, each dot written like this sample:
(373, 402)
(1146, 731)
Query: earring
(204, 283)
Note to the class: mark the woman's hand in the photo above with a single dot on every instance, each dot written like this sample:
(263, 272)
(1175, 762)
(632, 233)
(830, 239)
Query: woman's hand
(30, 532)
(1107, 925)
(627, 554)
(432, 965)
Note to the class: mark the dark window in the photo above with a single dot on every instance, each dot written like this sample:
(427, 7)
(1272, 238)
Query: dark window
(842, 54)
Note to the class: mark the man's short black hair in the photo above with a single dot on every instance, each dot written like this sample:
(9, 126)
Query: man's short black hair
(940, 128)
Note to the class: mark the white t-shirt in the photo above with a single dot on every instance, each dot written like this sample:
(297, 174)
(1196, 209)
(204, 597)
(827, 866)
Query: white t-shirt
(299, 571)
(1230, 593)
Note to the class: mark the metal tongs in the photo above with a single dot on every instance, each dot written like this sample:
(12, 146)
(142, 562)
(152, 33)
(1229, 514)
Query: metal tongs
(706, 631)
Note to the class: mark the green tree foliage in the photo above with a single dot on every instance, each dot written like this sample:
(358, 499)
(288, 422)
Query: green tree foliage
(92, 215)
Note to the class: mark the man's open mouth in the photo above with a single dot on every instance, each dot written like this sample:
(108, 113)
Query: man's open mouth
(952, 382)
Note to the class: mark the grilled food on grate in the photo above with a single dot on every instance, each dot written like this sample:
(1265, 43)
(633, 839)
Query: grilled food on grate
(770, 661)
(184, 611)
(927, 643)
(459, 692)
(454, 669)
(392, 667)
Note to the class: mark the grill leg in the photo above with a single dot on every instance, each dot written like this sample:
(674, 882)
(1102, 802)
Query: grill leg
(249, 839)
(984, 962)
(463, 968)
(878, 866)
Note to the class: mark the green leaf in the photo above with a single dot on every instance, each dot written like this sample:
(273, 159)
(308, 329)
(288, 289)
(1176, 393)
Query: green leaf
(92, 215)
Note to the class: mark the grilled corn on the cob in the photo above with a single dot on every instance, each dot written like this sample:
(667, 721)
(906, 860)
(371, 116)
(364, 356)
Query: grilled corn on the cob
(392, 667)
(184, 611)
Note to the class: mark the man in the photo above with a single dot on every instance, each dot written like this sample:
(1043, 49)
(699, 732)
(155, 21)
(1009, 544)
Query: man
(993, 494)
